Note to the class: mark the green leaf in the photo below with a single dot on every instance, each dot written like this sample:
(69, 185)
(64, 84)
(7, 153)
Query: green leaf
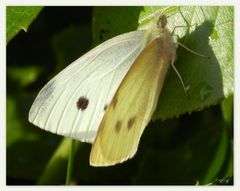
(210, 80)
(219, 158)
(23, 75)
(19, 18)
(70, 43)
(209, 32)
(107, 23)
(227, 111)
(221, 165)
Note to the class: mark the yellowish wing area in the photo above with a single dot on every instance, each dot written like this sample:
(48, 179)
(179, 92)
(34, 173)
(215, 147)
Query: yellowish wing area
(133, 105)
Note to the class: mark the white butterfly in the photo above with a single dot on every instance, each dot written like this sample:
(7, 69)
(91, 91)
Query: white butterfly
(124, 77)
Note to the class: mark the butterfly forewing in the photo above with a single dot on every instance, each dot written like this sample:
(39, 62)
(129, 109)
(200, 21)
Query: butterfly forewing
(72, 103)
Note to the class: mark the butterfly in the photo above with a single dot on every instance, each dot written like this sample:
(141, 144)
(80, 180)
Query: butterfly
(107, 96)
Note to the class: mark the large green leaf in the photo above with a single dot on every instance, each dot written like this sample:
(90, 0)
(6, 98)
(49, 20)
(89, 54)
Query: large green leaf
(208, 31)
(19, 18)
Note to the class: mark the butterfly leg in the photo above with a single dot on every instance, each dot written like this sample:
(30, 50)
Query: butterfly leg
(188, 49)
(185, 88)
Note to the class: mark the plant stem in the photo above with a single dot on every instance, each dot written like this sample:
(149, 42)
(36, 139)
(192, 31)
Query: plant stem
(70, 163)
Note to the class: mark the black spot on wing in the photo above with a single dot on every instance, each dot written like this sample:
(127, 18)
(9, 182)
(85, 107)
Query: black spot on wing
(82, 103)
(131, 122)
(118, 126)
(105, 107)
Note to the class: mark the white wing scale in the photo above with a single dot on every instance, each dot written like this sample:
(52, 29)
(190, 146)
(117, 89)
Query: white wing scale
(95, 76)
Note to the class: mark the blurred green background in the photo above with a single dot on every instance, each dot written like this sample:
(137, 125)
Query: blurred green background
(189, 150)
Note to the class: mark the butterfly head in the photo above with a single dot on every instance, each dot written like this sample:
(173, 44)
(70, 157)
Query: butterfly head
(162, 21)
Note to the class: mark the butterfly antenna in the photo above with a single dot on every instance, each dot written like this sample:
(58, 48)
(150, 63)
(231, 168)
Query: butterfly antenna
(171, 14)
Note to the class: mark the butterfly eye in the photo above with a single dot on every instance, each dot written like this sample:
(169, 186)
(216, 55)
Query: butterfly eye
(82, 103)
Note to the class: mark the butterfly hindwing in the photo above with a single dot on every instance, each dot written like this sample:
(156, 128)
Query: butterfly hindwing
(133, 104)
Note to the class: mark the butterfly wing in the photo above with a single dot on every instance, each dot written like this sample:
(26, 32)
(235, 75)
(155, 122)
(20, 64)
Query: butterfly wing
(72, 103)
(133, 105)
